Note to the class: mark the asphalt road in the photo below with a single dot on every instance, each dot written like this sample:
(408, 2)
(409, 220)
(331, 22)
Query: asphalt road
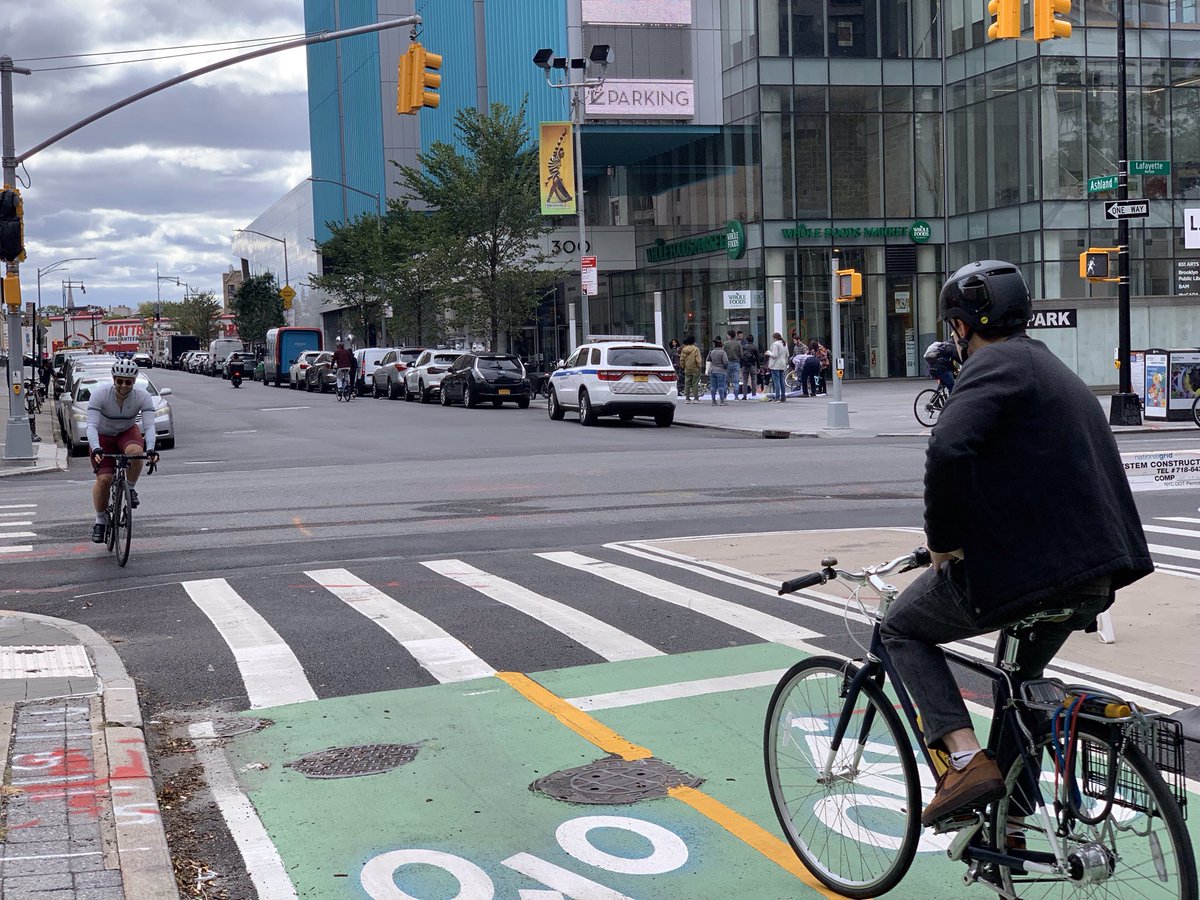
(287, 497)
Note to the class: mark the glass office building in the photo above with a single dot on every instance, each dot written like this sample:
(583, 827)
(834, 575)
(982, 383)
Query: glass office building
(738, 144)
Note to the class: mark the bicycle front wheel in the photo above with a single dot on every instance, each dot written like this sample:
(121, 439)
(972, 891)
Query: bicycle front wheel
(1196, 411)
(852, 816)
(927, 406)
(114, 505)
(123, 529)
(1141, 848)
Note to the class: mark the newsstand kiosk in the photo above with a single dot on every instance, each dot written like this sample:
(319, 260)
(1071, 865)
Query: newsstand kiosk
(1168, 381)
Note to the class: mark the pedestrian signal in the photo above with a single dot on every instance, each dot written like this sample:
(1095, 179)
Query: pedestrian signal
(1095, 264)
(849, 285)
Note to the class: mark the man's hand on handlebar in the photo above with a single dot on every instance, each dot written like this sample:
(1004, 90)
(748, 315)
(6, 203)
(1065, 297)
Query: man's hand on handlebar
(97, 458)
(152, 457)
(937, 560)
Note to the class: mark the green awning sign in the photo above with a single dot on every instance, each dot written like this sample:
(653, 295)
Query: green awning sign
(732, 240)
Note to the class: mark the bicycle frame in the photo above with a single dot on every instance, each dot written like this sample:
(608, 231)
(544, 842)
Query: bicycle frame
(1006, 716)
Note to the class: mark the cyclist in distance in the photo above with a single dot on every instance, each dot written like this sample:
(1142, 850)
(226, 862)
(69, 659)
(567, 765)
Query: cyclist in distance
(943, 358)
(343, 359)
(1027, 509)
(111, 411)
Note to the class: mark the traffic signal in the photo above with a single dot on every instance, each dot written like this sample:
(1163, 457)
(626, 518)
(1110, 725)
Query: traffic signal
(415, 88)
(1006, 19)
(849, 285)
(12, 225)
(1046, 24)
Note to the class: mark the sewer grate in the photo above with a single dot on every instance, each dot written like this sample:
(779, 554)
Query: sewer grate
(349, 762)
(614, 780)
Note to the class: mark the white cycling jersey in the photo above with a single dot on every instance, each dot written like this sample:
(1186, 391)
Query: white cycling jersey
(107, 415)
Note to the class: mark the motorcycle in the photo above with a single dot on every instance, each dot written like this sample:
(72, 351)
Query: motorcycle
(235, 376)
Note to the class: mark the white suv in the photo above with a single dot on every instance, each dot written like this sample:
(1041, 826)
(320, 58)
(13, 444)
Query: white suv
(615, 378)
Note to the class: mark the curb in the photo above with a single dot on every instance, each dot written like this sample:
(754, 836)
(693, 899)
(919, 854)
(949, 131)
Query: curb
(142, 851)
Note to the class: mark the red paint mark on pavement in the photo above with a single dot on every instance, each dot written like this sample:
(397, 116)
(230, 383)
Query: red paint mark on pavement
(32, 823)
(135, 768)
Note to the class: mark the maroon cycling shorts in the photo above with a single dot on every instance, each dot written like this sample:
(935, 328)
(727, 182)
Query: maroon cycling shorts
(119, 443)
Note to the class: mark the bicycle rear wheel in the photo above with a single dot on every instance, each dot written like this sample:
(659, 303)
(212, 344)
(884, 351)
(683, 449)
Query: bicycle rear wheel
(927, 406)
(857, 829)
(110, 531)
(123, 529)
(1196, 411)
(1141, 848)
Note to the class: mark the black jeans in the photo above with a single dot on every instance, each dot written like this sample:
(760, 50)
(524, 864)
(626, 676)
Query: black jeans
(935, 609)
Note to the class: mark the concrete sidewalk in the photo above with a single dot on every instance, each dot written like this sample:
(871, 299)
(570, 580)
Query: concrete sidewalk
(81, 818)
(51, 456)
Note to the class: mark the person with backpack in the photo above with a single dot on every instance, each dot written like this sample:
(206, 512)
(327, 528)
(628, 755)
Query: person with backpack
(751, 360)
(733, 351)
(943, 359)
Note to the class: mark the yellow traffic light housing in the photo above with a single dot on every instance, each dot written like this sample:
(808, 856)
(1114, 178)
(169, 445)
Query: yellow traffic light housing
(1046, 24)
(12, 225)
(849, 285)
(10, 286)
(1095, 264)
(416, 85)
(1006, 19)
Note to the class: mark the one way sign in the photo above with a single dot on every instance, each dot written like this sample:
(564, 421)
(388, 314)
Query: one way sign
(1126, 209)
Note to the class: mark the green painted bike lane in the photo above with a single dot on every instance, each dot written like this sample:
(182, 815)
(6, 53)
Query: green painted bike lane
(460, 820)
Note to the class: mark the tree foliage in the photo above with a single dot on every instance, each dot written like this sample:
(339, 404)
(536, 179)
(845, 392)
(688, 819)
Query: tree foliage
(353, 270)
(417, 271)
(257, 308)
(198, 315)
(488, 217)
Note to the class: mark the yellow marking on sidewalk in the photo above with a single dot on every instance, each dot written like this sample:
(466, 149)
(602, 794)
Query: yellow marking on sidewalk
(299, 525)
(751, 834)
(575, 719)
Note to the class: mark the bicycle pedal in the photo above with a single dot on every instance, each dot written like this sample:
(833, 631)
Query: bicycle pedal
(958, 821)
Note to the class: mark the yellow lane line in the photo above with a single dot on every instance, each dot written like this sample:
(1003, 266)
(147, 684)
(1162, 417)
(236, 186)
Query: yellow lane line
(752, 835)
(304, 531)
(575, 719)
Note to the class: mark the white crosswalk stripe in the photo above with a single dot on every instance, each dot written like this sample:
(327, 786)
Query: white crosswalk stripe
(272, 674)
(599, 637)
(765, 626)
(18, 516)
(445, 657)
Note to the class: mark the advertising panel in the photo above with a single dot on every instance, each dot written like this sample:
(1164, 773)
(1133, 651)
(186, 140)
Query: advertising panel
(556, 159)
(1185, 379)
(652, 99)
(1156, 385)
(637, 12)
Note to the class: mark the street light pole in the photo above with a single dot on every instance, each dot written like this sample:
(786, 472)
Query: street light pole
(378, 243)
(46, 270)
(286, 280)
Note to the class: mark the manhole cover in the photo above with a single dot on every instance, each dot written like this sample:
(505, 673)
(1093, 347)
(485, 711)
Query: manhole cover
(614, 780)
(231, 727)
(348, 762)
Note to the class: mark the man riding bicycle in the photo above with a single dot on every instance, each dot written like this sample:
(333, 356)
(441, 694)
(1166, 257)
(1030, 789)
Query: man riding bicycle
(943, 358)
(343, 360)
(111, 411)
(1027, 509)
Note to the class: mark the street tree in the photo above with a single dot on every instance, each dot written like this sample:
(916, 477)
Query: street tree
(198, 315)
(488, 213)
(257, 308)
(417, 270)
(352, 263)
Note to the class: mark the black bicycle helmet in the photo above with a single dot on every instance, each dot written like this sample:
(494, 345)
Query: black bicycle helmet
(989, 295)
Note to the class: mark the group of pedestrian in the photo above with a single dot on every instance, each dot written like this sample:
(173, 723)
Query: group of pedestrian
(736, 366)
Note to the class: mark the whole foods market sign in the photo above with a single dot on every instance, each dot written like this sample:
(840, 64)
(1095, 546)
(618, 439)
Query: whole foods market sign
(919, 232)
(732, 240)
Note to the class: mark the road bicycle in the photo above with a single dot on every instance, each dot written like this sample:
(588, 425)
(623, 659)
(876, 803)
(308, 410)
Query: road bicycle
(1104, 818)
(929, 404)
(118, 515)
(343, 389)
(1196, 411)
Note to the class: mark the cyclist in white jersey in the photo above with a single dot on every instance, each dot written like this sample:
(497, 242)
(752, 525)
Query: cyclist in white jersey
(112, 409)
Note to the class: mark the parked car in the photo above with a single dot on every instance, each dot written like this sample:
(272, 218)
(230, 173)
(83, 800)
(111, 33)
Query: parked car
(368, 360)
(475, 378)
(76, 366)
(197, 362)
(615, 378)
(143, 359)
(320, 375)
(388, 379)
(72, 414)
(298, 369)
(423, 379)
(59, 362)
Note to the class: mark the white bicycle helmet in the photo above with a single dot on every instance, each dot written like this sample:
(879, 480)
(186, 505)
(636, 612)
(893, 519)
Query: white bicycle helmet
(124, 368)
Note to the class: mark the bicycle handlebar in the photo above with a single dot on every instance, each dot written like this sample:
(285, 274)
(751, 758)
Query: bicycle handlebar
(917, 559)
(149, 469)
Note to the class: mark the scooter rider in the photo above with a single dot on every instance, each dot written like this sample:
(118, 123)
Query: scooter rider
(237, 369)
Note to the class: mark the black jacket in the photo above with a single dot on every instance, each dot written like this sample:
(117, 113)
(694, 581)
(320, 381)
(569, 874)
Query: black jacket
(1023, 474)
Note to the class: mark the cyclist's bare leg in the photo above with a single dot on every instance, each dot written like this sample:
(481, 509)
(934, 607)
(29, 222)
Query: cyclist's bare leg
(135, 465)
(100, 492)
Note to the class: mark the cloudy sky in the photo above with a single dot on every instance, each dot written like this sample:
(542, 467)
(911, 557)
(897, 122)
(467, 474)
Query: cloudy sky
(167, 180)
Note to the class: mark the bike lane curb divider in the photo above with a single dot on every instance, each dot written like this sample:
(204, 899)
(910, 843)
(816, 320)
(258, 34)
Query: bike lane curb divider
(464, 803)
(84, 806)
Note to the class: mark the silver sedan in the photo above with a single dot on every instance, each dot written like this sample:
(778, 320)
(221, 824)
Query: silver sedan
(72, 414)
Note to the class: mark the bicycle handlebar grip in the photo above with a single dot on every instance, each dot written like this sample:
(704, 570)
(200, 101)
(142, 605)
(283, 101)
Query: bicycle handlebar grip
(921, 557)
(802, 582)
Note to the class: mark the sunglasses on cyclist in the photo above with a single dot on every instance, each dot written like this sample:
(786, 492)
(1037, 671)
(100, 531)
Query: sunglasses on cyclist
(124, 382)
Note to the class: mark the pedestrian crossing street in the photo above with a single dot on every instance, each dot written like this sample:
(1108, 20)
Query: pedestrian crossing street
(330, 632)
(16, 527)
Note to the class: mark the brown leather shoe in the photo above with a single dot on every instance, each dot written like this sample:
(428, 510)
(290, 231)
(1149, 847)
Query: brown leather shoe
(978, 783)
